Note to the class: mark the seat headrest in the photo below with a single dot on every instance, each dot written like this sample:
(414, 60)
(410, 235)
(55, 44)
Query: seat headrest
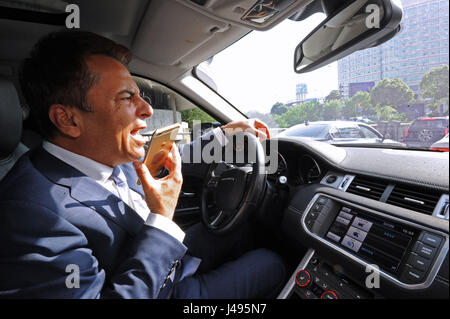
(10, 118)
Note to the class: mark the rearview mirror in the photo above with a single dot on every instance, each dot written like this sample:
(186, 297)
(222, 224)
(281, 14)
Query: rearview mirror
(357, 25)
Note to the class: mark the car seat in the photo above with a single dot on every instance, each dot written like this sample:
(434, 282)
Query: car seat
(10, 127)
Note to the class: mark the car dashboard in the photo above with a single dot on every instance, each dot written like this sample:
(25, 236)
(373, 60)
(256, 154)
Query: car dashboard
(374, 222)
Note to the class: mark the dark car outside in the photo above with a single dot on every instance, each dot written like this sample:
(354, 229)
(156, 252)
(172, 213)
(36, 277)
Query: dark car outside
(423, 132)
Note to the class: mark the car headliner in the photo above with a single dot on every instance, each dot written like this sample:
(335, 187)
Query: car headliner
(161, 33)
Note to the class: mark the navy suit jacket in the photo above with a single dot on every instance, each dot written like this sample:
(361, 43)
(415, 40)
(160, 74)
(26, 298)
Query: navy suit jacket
(53, 217)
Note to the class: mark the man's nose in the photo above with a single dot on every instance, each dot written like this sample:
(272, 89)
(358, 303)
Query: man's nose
(144, 110)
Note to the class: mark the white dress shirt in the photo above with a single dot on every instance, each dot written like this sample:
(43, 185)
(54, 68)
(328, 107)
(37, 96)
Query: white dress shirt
(102, 174)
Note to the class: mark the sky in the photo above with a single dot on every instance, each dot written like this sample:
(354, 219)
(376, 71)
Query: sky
(257, 71)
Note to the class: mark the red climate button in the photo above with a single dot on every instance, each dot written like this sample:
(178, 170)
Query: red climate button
(303, 278)
(329, 295)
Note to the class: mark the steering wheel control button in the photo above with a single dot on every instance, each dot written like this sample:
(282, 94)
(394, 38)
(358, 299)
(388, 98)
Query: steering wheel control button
(356, 233)
(430, 240)
(362, 224)
(351, 243)
(329, 295)
(303, 278)
(334, 237)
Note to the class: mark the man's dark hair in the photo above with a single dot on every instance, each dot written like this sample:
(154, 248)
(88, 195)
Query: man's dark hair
(56, 73)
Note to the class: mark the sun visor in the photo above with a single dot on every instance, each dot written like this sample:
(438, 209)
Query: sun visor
(170, 31)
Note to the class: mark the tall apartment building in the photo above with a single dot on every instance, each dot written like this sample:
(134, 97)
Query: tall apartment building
(301, 89)
(422, 45)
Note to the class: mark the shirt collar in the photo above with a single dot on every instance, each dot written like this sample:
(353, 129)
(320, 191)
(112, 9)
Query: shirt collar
(95, 170)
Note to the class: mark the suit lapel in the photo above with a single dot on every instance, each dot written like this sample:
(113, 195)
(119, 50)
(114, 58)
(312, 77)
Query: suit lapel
(88, 192)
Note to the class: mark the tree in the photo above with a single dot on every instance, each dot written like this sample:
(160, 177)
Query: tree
(385, 113)
(278, 109)
(435, 83)
(435, 86)
(266, 118)
(332, 110)
(196, 114)
(334, 95)
(360, 104)
(388, 113)
(298, 114)
(349, 110)
(391, 92)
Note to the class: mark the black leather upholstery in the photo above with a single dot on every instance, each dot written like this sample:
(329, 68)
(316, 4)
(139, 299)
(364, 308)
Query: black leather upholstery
(10, 118)
(10, 127)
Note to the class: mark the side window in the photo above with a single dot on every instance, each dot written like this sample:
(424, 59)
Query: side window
(350, 132)
(170, 107)
(368, 133)
(334, 133)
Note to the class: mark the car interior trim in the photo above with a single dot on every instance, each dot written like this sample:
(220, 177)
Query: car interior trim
(291, 282)
(356, 161)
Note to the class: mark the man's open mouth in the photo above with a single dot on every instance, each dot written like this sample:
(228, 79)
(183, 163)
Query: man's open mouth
(137, 136)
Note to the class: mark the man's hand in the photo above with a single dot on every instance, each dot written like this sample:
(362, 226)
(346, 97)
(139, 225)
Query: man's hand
(162, 194)
(158, 162)
(254, 126)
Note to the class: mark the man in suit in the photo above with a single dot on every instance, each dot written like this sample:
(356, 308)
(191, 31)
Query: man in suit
(73, 222)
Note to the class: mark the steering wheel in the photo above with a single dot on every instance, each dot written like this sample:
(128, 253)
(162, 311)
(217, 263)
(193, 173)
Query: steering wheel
(235, 190)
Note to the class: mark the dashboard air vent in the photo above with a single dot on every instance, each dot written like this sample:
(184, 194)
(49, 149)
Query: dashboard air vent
(367, 187)
(417, 199)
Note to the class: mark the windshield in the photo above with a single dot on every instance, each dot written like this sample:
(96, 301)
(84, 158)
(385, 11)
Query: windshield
(389, 87)
(429, 124)
(319, 131)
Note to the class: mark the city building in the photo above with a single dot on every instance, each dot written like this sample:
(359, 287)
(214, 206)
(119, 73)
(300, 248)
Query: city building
(421, 45)
(301, 89)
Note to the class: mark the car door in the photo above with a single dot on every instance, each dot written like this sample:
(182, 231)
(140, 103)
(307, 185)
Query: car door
(368, 132)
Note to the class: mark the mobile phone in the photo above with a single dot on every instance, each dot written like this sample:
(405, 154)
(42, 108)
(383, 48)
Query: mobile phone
(161, 139)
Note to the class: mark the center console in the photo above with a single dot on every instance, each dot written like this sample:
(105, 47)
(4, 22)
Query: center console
(406, 254)
(320, 280)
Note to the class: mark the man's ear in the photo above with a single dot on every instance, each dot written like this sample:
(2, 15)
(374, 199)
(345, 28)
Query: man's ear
(66, 119)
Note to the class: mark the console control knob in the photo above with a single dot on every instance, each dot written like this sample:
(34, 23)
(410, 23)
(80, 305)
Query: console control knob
(303, 278)
(329, 295)
(331, 179)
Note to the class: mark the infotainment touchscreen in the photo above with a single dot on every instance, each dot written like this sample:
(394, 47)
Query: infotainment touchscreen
(377, 241)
